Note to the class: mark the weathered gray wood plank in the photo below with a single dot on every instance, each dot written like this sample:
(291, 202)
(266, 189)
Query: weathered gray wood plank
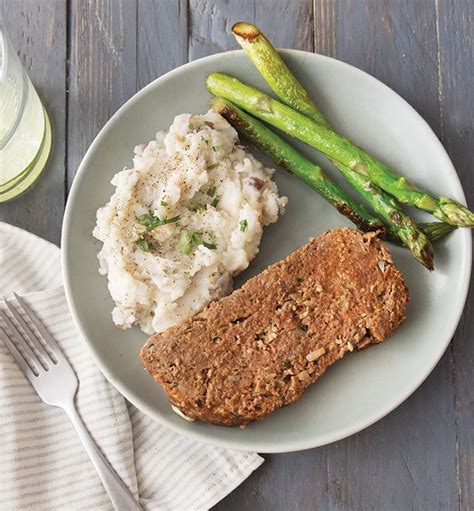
(289, 23)
(456, 56)
(407, 460)
(38, 32)
(162, 38)
(394, 41)
(102, 69)
(210, 23)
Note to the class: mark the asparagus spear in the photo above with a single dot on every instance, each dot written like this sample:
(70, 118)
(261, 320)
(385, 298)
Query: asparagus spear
(400, 224)
(286, 86)
(336, 147)
(276, 73)
(285, 155)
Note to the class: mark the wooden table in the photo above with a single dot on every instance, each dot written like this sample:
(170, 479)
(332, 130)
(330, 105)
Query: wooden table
(87, 58)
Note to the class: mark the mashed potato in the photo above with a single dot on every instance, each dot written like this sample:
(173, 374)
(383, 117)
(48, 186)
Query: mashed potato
(182, 222)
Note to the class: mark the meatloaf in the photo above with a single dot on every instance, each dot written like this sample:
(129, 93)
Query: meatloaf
(259, 348)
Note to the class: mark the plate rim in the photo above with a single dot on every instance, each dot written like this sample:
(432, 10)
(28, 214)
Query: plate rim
(198, 434)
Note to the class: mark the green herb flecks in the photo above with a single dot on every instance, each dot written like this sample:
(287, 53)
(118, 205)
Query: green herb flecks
(197, 238)
(196, 206)
(216, 148)
(185, 243)
(150, 221)
(211, 244)
(243, 224)
(212, 191)
(143, 244)
(146, 219)
(212, 166)
(215, 202)
(163, 203)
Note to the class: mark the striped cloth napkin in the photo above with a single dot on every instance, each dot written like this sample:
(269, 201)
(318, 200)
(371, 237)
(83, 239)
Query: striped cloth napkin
(43, 465)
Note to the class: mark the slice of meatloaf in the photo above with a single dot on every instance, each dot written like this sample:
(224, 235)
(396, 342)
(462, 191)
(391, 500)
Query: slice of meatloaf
(258, 349)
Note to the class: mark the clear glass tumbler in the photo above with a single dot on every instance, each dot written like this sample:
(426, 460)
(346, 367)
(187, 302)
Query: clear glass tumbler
(25, 131)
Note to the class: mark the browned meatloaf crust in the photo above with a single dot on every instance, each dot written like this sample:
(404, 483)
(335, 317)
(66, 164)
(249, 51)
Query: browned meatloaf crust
(258, 349)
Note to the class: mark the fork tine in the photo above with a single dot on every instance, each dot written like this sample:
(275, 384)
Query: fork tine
(22, 342)
(20, 360)
(47, 337)
(30, 334)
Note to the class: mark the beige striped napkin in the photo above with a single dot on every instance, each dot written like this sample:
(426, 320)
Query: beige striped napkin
(42, 463)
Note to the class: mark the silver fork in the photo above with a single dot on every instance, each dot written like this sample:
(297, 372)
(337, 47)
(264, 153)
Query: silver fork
(54, 380)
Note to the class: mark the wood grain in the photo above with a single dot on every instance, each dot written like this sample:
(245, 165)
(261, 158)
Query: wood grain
(162, 38)
(102, 69)
(38, 33)
(210, 23)
(394, 41)
(456, 57)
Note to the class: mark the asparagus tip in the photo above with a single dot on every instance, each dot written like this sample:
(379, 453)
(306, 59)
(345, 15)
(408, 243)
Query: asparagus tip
(436, 230)
(456, 213)
(246, 30)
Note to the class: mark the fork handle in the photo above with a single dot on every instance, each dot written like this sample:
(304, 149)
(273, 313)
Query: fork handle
(119, 494)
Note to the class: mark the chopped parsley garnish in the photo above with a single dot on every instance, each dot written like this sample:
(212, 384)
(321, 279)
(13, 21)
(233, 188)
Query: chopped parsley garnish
(215, 202)
(212, 191)
(212, 166)
(211, 245)
(192, 127)
(216, 148)
(171, 220)
(185, 243)
(196, 206)
(243, 225)
(146, 219)
(197, 237)
(163, 203)
(143, 244)
(150, 221)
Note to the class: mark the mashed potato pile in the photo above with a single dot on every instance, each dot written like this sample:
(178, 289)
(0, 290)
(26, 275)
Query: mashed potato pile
(182, 222)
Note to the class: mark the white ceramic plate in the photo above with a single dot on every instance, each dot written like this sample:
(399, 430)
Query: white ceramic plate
(363, 387)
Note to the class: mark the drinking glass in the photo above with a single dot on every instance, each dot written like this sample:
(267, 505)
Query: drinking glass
(25, 131)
